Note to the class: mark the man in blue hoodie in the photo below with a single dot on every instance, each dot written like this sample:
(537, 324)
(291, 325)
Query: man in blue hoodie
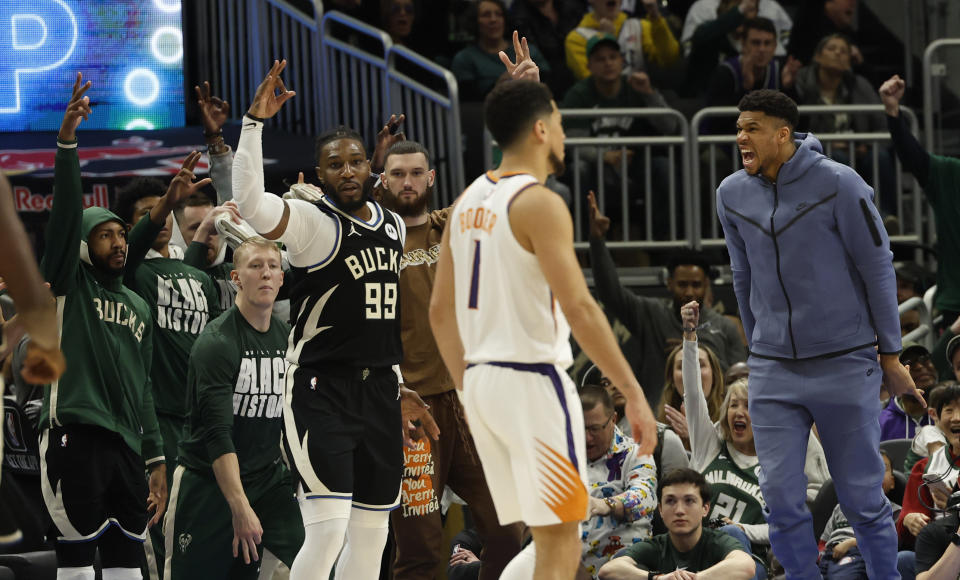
(814, 279)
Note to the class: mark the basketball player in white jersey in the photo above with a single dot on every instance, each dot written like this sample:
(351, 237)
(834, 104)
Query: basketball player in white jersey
(507, 282)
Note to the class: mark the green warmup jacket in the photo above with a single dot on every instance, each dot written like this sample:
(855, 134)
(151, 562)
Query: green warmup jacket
(106, 332)
(235, 388)
(182, 299)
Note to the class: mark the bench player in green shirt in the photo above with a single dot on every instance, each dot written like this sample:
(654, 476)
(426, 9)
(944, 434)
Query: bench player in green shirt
(232, 495)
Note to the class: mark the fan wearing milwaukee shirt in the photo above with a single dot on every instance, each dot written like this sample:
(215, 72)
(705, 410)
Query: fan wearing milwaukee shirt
(507, 268)
(343, 412)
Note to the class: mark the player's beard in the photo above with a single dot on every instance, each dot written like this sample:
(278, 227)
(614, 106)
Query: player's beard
(345, 206)
(413, 208)
(557, 164)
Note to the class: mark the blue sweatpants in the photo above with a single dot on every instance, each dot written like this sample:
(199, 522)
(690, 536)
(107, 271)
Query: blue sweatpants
(840, 395)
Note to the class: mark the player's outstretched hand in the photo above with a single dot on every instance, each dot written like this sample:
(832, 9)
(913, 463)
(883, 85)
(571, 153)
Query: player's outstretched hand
(183, 184)
(42, 365)
(599, 223)
(524, 68)
(213, 110)
(247, 533)
(271, 94)
(157, 499)
(643, 423)
(78, 110)
(413, 410)
(897, 379)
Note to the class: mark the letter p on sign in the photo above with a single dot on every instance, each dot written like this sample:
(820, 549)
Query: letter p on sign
(35, 36)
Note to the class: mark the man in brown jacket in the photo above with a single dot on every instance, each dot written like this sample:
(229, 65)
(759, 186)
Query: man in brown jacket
(407, 187)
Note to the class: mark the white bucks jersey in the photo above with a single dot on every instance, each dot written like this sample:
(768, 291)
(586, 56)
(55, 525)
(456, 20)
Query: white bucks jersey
(505, 309)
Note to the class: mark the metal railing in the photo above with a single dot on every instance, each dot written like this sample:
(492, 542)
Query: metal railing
(931, 99)
(914, 228)
(677, 198)
(366, 78)
(244, 38)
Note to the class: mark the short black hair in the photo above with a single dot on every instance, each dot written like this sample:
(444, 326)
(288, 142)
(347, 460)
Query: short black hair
(949, 394)
(135, 190)
(407, 147)
(593, 395)
(512, 107)
(340, 132)
(685, 475)
(762, 24)
(688, 258)
(195, 199)
(773, 104)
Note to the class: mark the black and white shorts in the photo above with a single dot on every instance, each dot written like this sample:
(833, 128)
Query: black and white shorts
(92, 479)
(342, 434)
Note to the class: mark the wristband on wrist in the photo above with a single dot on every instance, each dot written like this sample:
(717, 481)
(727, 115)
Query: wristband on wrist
(255, 118)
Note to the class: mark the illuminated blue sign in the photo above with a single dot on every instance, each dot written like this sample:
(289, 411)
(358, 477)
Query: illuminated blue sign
(131, 51)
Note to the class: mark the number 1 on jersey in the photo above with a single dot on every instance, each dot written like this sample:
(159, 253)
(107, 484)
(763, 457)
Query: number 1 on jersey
(475, 277)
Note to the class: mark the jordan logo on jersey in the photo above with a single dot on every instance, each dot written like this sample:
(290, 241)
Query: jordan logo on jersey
(353, 231)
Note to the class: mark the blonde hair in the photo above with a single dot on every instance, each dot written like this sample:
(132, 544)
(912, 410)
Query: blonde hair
(671, 396)
(736, 388)
(250, 245)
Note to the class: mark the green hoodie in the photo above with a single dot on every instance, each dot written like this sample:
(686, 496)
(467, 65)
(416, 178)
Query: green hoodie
(105, 329)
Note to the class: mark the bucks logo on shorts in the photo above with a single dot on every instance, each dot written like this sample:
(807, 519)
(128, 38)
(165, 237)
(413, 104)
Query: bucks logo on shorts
(184, 541)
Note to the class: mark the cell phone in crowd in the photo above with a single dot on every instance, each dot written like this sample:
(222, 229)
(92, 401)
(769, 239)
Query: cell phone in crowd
(938, 481)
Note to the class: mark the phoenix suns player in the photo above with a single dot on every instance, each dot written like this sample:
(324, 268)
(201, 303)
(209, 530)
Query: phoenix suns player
(99, 427)
(229, 465)
(342, 407)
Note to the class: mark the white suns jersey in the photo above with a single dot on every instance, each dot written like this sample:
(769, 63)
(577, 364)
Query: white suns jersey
(505, 309)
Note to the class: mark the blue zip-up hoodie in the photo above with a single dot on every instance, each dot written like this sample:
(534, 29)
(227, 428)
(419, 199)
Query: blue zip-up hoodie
(811, 260)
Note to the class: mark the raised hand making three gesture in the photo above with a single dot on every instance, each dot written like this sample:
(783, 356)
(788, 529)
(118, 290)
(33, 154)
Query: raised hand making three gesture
(271, 94)
(77, 111)
(524, 68)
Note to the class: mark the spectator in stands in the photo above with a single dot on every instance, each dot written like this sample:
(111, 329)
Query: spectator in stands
(910, 278)
(821, 18)
(607, 87)
(754, 68)
(712, 34)
(909, 321)
(464, 563)
(735, 372)
(647, 43)
(902, 416)
(684, 497)
(479, 67)
(940, 179)
(947, 353)
(621, 482)
(545, 24)
(100, 416)
(938, 549)
(724, 450)
(671, 407)
(940, 469)
(929, 438)
(830, 80)
(840, 558)
(669, 453)
(397, 18)
(654, 321)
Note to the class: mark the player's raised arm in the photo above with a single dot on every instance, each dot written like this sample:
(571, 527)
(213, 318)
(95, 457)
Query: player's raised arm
(540, 218)
(268, 214)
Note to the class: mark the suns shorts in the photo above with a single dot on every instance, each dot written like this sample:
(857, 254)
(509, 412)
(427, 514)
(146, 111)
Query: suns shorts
(527, 424)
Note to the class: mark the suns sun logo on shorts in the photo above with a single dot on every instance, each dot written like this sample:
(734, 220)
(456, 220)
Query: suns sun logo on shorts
(184, 541)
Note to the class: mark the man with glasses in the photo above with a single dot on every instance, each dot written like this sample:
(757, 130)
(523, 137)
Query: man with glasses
(622, 483)
(903, 416)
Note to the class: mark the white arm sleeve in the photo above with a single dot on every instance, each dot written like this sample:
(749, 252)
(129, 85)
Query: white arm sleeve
(311, 236)
(704, 441)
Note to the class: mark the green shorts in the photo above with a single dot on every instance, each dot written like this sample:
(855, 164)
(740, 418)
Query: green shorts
(198, 527)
